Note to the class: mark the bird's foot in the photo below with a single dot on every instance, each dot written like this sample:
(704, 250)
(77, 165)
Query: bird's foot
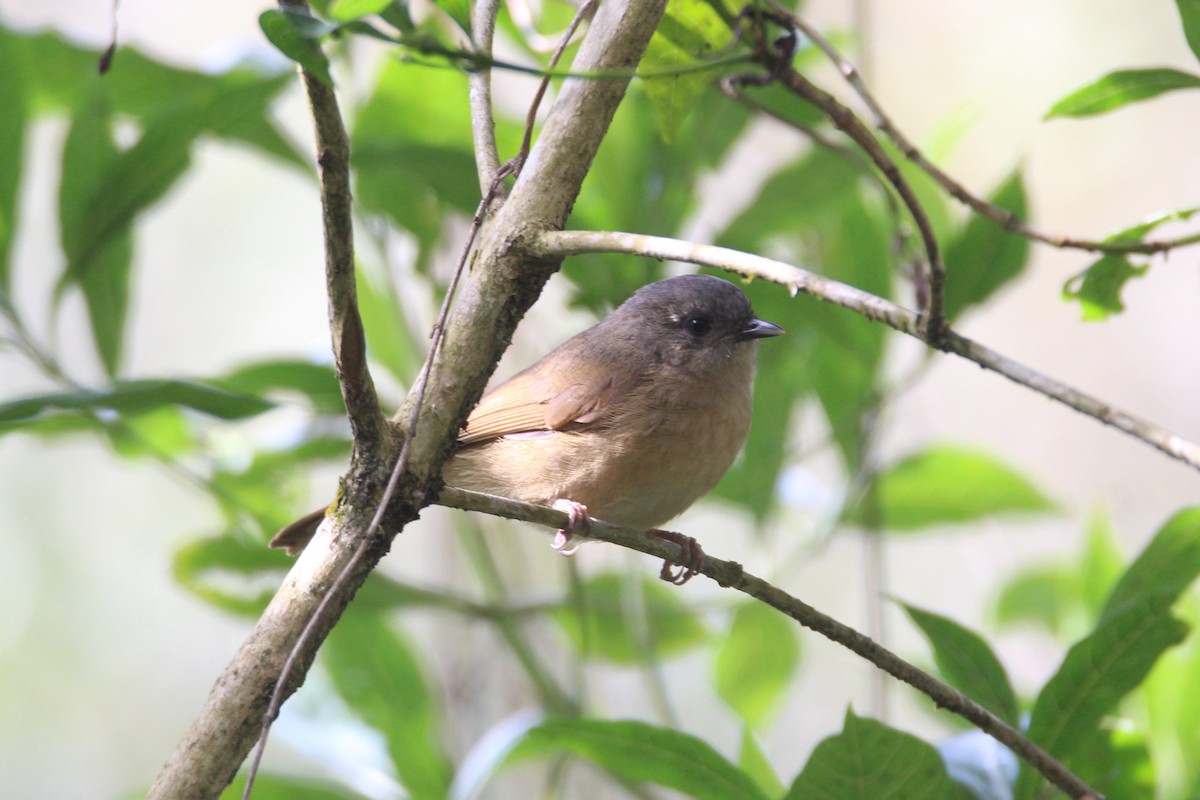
(577, 518)
(690, 563)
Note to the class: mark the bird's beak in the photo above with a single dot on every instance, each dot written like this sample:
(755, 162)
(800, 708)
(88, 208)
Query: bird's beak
(760, 329)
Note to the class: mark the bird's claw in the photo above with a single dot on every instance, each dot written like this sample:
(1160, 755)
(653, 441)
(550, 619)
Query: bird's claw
(577, 519)
(691, 560)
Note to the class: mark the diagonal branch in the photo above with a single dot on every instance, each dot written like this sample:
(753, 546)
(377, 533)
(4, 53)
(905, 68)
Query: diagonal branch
(1000, 216)
(730, 574)
(873, 307)
(503, 285)
(345, 323)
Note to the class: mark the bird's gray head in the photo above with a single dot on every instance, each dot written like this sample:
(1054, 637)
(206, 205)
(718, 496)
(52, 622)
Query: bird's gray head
(692, 318)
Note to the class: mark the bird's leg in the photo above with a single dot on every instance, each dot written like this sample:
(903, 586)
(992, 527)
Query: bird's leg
(577, 517)
(690, 562)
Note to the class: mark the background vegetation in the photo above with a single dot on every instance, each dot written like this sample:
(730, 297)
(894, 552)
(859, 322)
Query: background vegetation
(169, 404)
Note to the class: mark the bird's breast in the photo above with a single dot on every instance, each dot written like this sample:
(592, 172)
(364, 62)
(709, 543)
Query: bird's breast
(657, 450)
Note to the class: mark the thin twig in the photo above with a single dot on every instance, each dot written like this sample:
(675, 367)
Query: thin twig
(1000, 216)
(873, 307)
(775, 57)
(483, 124)
(730, 574)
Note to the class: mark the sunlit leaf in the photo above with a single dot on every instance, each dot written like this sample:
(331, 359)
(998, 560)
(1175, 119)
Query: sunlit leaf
(1097, 289)
(642, 752)
(947, 485)
(756, 661)
(605, 627)
(1139, 231)
(689, 32)
(1118, 89)
(346, 10)
(967, 662)
(869, 760)
(754, 762)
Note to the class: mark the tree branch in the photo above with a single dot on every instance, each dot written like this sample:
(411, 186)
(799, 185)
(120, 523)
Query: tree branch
(502, 286)
(567, 243)
(345, 323)
(483, 124)
(730, 574)
(1000, 216)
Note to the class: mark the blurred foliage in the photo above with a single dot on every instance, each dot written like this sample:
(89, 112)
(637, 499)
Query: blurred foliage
(129, 141)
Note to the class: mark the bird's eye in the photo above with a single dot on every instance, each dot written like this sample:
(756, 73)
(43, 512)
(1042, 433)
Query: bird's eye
(697, 326)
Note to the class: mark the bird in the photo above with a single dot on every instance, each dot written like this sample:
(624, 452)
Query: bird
(630, 421)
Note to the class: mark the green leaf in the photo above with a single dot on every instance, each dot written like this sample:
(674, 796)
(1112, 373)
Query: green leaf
(379, 676)
(162, 431)
(101, 193)
(1116, 762)
(230, 573)
(1189, 15)
(984, 256)
(414, 131)
(753, 761)
(868, 760)
(605, 626)
(317, 382)
(269, 490)
(1138, 232)
(1167, 566)
(390, 339)
(1097, 672)
(948, 485)
(138, 396)
(459, 11)
(98, 265)
(1049, 597)
(642, 752)
(1102, 563)
(689, 32)
(1120, 88)
(12, 149)
(284, 30)
(346, 10)
(848, 354)
(756, 661)
(277, 787)
(967, 662)
(53, 425)
(1097, 289)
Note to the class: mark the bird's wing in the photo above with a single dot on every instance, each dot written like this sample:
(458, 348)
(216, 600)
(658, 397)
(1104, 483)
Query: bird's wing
(553, 394)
